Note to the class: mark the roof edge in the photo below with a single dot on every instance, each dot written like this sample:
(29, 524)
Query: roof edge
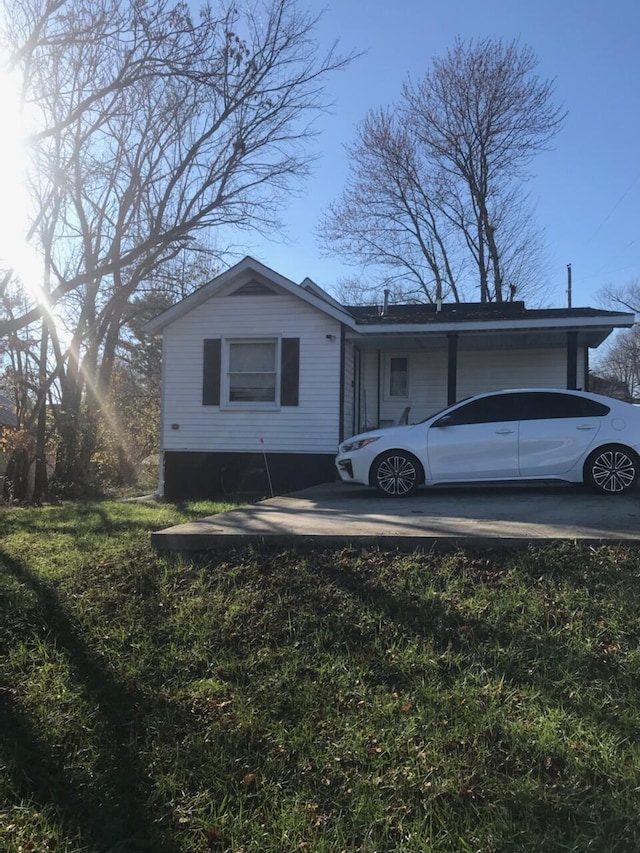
(212, 288)
(612, 321)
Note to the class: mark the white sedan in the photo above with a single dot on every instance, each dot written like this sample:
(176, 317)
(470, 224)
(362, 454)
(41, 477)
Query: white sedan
(516, 435)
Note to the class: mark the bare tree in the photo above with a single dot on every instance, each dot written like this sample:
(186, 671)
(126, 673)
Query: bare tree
(619, 366)
(155, 126)
(391, 213)
(617, 370)
(482, 114)
(22, 366)
(436, 183)
(222, 106)
(625, 297)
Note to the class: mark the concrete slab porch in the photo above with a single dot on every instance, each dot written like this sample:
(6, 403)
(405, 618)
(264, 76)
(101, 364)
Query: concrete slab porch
(336, 514)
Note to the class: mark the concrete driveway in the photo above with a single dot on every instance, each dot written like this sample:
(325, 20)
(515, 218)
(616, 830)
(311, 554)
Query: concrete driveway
(438, 518)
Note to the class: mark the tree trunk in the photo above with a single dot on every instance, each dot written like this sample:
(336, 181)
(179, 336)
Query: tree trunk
(16, 484)
(40, 479)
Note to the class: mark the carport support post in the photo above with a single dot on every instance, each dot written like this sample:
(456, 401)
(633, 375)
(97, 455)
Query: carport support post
(343, 340)
(585, 387)
(572, 360)
(452, 367)
(379, 394)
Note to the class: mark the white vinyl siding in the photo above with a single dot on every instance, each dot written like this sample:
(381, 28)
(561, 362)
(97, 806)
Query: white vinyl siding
(310, 427)
(497, 370)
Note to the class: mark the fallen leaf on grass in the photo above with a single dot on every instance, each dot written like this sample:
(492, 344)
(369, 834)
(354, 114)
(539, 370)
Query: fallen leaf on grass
(214, 837)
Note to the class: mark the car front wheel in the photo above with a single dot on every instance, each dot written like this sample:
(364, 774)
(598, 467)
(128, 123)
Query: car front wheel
(397, 474)
(612, 469)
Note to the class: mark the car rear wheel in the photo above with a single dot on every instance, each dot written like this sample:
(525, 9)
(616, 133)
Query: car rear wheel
(612, 469)
(397, 474)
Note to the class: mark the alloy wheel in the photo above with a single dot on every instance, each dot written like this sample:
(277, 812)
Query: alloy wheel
(396, 475)
(613, 471)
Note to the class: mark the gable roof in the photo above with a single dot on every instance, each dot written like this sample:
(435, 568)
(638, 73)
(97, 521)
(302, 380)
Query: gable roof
(312, 287)
(249, 273)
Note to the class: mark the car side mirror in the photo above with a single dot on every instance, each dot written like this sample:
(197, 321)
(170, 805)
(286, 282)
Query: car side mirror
(444, 421)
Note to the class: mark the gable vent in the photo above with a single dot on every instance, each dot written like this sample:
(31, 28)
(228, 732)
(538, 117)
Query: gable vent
(254, 288)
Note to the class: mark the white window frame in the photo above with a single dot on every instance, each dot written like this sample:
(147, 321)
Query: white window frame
(388, 396)
(225, 383)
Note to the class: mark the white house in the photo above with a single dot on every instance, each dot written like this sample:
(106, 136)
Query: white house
(262, 377)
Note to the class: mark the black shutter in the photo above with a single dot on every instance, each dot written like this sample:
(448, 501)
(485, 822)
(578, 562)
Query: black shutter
(290, 371)
(211, 372)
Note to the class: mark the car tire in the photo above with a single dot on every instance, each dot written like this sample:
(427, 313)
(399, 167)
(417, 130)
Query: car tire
(397, 474)
(612, 469)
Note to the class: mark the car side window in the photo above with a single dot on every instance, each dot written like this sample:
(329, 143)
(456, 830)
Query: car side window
(500, 407)
(542, 405)
(525, 406)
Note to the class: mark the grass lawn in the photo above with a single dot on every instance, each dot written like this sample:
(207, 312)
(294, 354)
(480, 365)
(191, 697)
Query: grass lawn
(285, 700)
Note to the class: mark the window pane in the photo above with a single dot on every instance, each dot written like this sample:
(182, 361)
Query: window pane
(252, 371)
(543, 405)
(252, 356)
(502, 407)
(252, 387)
(528, 405)
(398, 377)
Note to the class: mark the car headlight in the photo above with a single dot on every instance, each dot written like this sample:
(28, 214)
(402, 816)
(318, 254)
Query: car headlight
(350, 446)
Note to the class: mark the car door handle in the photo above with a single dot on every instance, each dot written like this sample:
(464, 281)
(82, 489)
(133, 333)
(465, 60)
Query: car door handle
(586, 426)
(504, 431)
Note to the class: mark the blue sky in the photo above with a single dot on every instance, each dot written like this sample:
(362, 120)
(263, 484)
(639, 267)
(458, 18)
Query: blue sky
(586, 190)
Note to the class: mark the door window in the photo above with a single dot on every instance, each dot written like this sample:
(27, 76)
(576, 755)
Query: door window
(498, 407)
(526, 405)
(546, 404)
(397, 377)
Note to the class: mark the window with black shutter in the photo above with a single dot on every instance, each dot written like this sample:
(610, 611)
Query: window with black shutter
(251, 372)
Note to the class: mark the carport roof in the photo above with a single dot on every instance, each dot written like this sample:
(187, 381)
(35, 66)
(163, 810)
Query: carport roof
(464, 312)
(509, 323)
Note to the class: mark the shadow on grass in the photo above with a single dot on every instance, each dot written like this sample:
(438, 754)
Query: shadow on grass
(295, 611)
(108, 516)
(533, 775)
(545, 658)
(112, 809)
